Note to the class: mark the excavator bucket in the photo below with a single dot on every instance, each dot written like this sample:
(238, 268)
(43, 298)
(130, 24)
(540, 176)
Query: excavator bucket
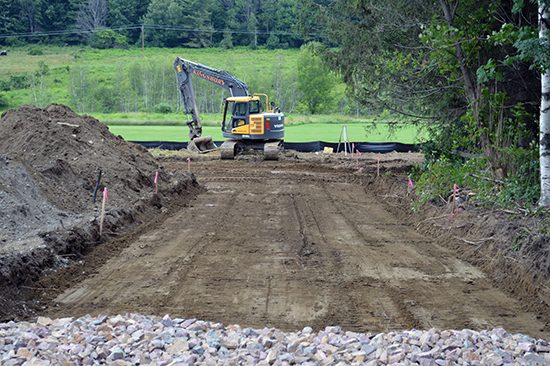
(201, 145)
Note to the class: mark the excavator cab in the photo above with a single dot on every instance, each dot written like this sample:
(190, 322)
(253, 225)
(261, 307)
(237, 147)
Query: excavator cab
(241, 112)
(237, 114)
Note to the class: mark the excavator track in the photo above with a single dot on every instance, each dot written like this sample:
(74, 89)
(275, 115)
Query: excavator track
(272, 150)
(233, 147)
(230, 149)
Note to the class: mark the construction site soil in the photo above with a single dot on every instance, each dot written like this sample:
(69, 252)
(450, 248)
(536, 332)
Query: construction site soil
(309, 240)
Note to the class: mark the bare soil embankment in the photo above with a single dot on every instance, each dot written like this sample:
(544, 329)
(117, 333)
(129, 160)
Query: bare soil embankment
(50, 161)
(308, 240)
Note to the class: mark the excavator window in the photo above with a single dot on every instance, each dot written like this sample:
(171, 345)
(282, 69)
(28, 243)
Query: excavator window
(240, 109)
(255, 106)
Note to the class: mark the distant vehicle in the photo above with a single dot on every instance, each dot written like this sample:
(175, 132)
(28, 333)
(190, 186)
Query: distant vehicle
(246, 126)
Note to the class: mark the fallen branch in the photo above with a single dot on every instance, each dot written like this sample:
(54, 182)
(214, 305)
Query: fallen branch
(388, 196)
(485, 178)
(67, 124)
(431, 218)
(474, 242)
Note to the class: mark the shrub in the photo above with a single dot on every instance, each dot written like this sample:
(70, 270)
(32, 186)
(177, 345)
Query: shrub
(3, 101)
(19, 81)
(272, 42)
(36, 52)
(5, 85)
(107, 39)
(107, 98)
(520, 188)
(162, 108)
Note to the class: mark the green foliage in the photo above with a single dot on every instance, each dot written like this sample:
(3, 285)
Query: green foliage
(19, 81)
(139, 84)
(5, 85)
(36, 52)
(522, 185)
(42, 70)
(3, 101)
(251, 22)
(435, 180)
(107, 39)
(315, 81)
(227, 41)
(106, 97)
(272, 42)
(162, 108)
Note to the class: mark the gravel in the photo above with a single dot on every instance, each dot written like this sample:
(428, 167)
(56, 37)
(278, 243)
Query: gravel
(135, 339)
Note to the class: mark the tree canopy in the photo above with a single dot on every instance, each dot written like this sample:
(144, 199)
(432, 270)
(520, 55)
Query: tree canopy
(167, 23)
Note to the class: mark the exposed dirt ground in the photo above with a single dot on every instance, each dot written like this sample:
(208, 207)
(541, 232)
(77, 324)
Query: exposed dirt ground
(311, 239)
(307, 240)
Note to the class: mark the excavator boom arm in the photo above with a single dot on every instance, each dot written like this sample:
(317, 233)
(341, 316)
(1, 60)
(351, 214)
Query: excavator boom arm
(184, 70)
(221, 78)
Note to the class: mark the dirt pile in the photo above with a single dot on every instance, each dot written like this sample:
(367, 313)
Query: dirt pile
(50, 160)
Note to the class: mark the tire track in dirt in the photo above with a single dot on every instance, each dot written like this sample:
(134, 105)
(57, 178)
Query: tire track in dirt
(276, 244)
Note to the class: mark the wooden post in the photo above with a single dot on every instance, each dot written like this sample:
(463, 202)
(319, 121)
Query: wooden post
(454, 204)
(455, 191)
(378, 167)
(188, 165)
(102, 212)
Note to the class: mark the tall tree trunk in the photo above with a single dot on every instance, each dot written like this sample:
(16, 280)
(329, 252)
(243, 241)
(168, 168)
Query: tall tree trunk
(544, 18)
(468, 83)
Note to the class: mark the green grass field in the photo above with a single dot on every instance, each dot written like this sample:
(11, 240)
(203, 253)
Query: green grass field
(300, 133)
(104, 67)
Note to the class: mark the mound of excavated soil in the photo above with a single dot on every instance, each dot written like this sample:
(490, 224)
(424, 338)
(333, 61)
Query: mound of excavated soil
(50, 160)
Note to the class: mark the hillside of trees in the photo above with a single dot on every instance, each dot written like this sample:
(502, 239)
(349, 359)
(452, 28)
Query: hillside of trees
(165, 23)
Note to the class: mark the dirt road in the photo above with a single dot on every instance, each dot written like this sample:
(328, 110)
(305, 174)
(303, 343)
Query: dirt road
(283, 244)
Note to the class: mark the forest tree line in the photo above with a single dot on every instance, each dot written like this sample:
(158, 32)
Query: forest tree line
(164, 23)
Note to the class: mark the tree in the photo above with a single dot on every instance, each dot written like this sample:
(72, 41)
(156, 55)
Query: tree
(379, 53)
(419, 58)
(544, 121)
(29, 9)
(104, 39)
(58, 15)
(197, 17)
(11, 20)
(162, 14)
(167, 15)
(314, 81)
(531, 41)
(125, 12)
(253, 29)
(39, 85)
(92, 16)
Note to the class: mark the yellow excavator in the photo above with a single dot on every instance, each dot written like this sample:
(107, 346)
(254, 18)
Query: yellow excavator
(245, 124)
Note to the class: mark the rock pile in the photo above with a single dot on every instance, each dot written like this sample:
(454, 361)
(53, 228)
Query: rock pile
(136, 339)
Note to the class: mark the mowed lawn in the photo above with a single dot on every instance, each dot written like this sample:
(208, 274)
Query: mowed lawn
(327, 132)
